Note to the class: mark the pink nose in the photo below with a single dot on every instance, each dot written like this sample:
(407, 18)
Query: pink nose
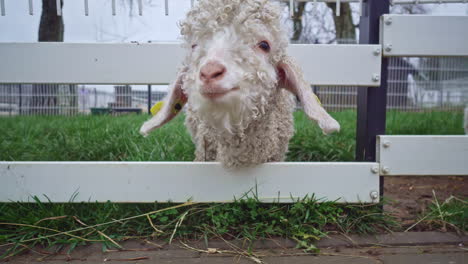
(212, 71)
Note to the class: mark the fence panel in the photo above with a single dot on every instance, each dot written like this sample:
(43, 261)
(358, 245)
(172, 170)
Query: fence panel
(180, 181)
(423, 35)
(422, 155)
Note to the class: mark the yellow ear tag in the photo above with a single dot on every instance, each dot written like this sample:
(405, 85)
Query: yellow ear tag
(177, 107)
(318, 100)
(156, 107)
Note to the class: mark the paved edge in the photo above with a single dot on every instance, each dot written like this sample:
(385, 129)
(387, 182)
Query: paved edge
(393, 239)
(333, 241)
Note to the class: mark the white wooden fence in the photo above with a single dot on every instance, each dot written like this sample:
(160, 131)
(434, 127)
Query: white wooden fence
(345, 65)
(157, 63)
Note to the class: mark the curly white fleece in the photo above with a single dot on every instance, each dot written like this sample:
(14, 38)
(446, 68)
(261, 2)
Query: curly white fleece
(253, 123)
(255, 126)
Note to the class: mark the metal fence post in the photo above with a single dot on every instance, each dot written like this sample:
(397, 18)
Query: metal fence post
(9, 100)
(20, 103)
(149, 99)
(371, 103)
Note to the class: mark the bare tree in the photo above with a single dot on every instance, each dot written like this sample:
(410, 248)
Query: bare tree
(409, 9)
(297, 21)
(345, 30)
(121, 30)
(318, 23)
(51, 28)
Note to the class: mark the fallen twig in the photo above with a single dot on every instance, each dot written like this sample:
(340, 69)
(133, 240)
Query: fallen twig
(89, 227)
(152, 225)
(127, 259)
(100, 232)
(51, 218)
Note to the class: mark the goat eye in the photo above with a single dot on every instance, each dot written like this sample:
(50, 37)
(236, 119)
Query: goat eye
(264, 46)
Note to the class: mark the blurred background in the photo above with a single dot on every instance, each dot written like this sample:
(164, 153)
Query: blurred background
(414, 84)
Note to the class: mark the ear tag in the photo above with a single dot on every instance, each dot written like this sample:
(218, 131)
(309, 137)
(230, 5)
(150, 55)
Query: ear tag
(317, 99)
(156, 107)
(177, 107)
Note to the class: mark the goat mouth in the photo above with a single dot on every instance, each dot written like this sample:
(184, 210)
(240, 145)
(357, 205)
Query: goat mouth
(218, 93)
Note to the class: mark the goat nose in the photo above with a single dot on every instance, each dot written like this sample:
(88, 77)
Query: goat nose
(212, 71)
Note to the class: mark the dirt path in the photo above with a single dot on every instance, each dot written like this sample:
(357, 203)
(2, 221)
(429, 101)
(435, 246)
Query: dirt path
(410, 195)
(390, 248)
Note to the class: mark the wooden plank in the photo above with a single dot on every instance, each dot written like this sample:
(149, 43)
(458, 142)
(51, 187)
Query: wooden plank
(180, 181)
(423, 155)
(423, 35)
(157, 63)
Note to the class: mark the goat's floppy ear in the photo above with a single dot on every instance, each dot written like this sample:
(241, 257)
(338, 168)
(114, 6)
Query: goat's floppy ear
(291, 78)
(172, 105)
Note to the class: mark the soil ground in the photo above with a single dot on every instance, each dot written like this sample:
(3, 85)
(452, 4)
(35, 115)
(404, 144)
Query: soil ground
(410, 195)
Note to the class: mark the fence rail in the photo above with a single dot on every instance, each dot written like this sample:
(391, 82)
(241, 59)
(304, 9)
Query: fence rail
(414, 84)
(197, 181)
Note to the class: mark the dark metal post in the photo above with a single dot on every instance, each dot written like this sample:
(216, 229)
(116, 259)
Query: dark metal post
(149, 99)
(372, 101)
(10, 100)
(20, 103)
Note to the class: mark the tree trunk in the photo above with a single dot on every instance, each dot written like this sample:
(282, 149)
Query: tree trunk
(297, 21)
(51, 28)
(344, 27)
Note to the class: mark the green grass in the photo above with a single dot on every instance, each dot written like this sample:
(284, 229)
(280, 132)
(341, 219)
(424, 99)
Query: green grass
(24, 225)
(107, 138)
(448, 215)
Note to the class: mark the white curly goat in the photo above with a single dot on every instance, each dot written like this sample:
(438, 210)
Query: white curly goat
(239, 84)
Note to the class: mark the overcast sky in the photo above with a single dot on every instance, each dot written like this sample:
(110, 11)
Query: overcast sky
(126, 26)
(101, 26)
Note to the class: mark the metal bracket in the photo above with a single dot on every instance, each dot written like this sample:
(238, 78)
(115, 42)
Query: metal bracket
(385, 170)
(86, 7)
(374, 195)
(31, 8)
(2, 7)
(59, 7)
(377, 52)
(376, 77)
(388, 21)
(388, 47)
(360, 7)
(338, 7)
(291, 8)
(113, 8)
(140, 7)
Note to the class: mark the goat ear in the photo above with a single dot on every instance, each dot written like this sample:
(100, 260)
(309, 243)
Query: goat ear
(291, 78)
(172, 105)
